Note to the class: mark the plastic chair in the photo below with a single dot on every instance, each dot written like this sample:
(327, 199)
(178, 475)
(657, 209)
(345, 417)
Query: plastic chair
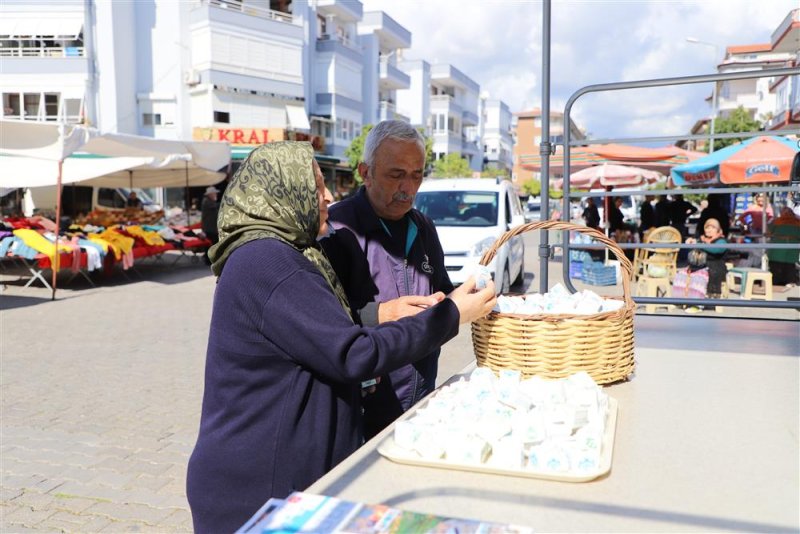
(663, 257)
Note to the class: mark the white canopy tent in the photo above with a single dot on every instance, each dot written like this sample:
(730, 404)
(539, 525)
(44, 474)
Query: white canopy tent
(35, 154)
(30, 153)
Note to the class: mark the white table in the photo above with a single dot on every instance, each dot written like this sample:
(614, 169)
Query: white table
(706, 441)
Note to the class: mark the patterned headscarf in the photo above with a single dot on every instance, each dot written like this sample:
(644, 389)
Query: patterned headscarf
(273, 195)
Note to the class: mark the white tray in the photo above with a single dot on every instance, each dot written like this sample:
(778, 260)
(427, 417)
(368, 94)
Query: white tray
(390, 450)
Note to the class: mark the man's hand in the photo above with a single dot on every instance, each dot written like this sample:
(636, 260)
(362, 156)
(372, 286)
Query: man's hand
(392, 310)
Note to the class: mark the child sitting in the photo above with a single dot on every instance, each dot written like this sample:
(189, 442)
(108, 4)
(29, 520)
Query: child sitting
(706, 265)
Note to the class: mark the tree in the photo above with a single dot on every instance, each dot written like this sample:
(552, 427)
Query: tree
(452, 165)
(534, 187)
(494, 173)
(355, 151)
(738, 121)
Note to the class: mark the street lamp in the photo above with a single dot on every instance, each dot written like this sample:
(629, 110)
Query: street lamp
(694, 40)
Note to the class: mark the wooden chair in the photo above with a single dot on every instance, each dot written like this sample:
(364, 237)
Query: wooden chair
(638, 256)
(663, 257)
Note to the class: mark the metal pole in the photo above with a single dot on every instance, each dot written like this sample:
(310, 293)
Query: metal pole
(187, 201)
(54, 266)
(545, 149)
(713, 118)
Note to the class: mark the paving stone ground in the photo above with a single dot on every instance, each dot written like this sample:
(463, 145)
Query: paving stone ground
(100, 402)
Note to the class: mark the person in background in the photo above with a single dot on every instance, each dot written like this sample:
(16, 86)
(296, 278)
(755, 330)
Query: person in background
(647, 216)
(209, 211)
(753, 217)
(591, 216)
(617, 227)
(714, 259)
(783, 262)
(662, 211)
(284, 365)
(715, 209)
(133, 200)
(679, 211)
(389, 258)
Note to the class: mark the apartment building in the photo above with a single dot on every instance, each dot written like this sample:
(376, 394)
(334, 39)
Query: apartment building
(445, 102)
(242, 71)
(498, 142)
(786, 40)
(527, 128)
(383, 41)
(773, 101)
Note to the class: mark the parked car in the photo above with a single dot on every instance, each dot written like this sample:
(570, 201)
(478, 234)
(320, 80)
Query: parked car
(470, 214)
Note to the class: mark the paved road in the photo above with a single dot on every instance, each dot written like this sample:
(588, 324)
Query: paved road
(101, 393)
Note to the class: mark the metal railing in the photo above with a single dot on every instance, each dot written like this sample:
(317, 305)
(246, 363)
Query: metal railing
(249, 9)
(545, 249)
(40, 51)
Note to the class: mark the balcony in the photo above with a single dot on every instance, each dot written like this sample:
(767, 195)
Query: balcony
(469, 147)
(469, 118)
(388, 111)
(249, 9)
(450, 76)
(445, 104)
(346, 10)
(787, 35)
(339, 45)
(50, 52)
(227, 16)
(391, 35)
(391, 77)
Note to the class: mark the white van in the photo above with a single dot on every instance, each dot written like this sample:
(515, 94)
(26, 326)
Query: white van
(470, 214)
(79, 199)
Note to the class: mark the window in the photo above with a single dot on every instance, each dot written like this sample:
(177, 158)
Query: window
(11, 105)
(51, 106)
(222, 116)
(151, 119)
(31, 105)
(110, 198)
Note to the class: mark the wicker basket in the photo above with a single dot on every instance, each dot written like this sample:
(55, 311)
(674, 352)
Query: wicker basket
(558, 345)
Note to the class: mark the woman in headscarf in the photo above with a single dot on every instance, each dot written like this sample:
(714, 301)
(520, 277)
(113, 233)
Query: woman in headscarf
(284, 363)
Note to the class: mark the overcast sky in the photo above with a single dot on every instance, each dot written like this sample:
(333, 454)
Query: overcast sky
(498, 43)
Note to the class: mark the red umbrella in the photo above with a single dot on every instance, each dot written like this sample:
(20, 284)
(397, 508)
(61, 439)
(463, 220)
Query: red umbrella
(607, 174)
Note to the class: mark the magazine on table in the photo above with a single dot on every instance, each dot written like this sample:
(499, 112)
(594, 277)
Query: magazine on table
(308, 513)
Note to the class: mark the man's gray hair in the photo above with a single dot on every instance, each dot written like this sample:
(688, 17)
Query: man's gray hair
(391, 129)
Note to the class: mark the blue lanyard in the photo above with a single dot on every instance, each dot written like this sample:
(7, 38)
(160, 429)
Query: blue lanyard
(411, 234)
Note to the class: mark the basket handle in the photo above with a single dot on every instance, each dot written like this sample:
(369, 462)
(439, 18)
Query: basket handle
(624, 262)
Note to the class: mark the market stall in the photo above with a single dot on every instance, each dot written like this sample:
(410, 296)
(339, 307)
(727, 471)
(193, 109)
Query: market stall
(706, 440)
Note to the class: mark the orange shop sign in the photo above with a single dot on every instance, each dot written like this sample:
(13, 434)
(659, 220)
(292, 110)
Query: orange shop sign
(255, 136)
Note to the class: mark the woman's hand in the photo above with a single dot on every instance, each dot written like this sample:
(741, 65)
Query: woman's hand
(473, 304)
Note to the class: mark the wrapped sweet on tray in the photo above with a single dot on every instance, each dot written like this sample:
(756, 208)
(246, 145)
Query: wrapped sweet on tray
(506, 422)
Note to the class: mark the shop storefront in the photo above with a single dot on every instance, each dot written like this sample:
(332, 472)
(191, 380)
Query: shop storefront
(338, 176)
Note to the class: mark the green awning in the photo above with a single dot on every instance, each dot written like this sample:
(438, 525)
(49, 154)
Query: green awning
(240, 153)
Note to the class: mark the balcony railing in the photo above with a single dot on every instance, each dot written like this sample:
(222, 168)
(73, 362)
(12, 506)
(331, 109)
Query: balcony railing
(388, 111)
(342, 39)
(249, 9)
(66, 51)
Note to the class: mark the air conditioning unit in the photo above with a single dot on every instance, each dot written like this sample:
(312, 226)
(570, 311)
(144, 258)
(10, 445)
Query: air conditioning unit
(191, 77)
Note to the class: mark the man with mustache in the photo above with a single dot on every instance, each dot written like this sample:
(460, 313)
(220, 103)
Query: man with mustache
(389, 258)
